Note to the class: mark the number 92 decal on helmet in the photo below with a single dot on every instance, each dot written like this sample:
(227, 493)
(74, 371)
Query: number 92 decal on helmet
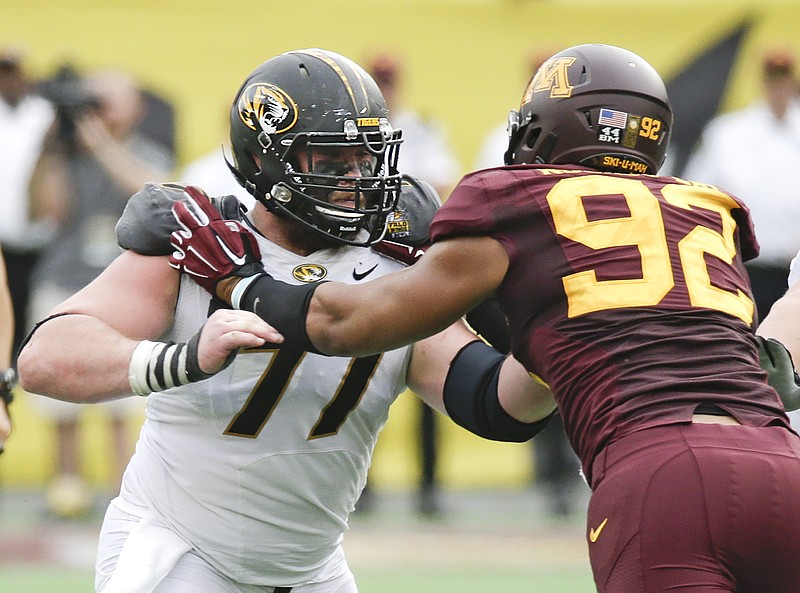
(311, 140)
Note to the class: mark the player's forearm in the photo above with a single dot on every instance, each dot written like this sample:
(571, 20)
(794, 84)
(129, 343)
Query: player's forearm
(76, 358)
(524, 398)
(408, 305)
(475, 397)
(5, 425)
(346, 320)
(334, 330)
(783, 322)
(6, 328)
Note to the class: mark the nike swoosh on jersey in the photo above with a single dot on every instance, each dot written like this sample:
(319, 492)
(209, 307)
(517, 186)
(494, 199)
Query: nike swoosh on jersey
(595, 533)
(361, 275)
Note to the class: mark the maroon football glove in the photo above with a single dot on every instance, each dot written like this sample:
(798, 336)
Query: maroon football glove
(399, 251)
(209, 248)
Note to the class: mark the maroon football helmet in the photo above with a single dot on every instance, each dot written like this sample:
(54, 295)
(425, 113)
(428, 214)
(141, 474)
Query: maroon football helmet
(594, 105)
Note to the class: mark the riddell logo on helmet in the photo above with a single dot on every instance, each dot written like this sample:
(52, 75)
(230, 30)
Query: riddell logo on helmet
(266, 108)
(552, 76)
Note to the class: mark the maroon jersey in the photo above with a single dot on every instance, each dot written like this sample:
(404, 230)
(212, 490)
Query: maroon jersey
(626, 293)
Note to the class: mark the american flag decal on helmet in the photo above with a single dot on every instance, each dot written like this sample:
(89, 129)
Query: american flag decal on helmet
(609, 117)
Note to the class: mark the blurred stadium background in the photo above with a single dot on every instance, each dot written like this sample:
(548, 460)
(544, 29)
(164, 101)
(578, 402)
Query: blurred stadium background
(466, 62)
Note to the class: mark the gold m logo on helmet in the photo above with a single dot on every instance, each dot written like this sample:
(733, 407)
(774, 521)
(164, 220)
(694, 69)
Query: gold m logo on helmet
(309, 272)
(552, 76)
(266, 108)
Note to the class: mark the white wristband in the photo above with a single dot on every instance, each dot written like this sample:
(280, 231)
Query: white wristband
(156, 366)
(137, 368)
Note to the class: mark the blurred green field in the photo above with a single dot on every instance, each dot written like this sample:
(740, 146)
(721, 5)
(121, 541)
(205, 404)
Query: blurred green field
(49, 580)
(484, 541)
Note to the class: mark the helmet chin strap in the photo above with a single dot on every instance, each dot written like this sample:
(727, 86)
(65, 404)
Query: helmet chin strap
(242, 180)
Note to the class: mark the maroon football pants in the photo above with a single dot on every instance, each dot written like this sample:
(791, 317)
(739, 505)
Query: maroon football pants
(697, 508)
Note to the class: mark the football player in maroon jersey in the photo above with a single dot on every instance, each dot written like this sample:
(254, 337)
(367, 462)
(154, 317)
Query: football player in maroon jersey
(626, 293)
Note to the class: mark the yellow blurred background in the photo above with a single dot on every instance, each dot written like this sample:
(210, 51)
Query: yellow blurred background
(466, 63)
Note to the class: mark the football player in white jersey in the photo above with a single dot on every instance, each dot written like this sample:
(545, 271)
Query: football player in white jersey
(254, 451)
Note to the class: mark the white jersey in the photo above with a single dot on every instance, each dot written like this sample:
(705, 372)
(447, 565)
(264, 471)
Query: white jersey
(794, 270)
(794, 276)
(258, 467)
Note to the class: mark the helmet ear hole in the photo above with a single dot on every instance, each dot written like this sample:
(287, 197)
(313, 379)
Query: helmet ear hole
(546, 147)
(532, 136)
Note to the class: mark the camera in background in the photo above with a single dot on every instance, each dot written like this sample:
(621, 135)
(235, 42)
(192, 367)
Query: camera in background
(69, 94)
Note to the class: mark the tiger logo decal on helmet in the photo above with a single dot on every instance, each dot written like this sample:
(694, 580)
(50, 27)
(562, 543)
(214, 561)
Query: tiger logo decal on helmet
(266, 108)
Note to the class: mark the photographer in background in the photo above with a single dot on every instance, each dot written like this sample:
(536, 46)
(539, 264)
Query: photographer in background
(25, 226)
(93, 159)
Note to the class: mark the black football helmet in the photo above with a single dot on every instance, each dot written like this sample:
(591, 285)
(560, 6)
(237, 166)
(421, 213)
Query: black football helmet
(315, 99)
(594, 105)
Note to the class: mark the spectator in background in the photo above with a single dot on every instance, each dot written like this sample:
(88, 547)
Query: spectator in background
(753, 154)
(556, 468)
(426, 152)
(427, 155)
(25, 226)
(8, 379)
(495, 144)
(93, 159)
(210, 171)
(493, 147)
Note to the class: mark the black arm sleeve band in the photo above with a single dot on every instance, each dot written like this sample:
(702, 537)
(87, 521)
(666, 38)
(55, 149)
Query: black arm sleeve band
(489, 322)
(38, 325)
(284, 306)
(471, 400)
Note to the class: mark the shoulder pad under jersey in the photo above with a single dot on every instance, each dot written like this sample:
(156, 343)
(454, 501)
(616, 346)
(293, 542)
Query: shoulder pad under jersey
(147, 221)
(417, 204)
